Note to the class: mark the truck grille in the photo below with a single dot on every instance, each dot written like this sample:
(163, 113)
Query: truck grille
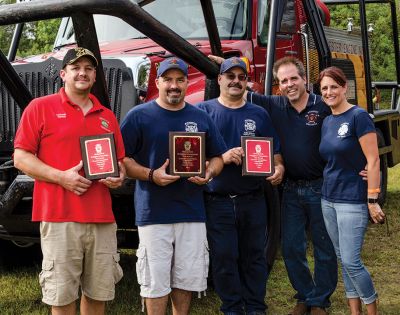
(43, 79)
(10, 114)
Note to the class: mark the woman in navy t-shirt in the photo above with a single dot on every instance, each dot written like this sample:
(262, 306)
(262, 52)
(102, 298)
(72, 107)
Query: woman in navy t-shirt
(348, 143)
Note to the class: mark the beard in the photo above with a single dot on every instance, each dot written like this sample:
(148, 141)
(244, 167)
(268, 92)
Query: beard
(176, 99)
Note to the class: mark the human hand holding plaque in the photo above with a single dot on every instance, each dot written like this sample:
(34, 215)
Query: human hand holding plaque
(161, 177)
(187, 153)
(115, 182)
(258, 157)
(233, 155)
(99, 156)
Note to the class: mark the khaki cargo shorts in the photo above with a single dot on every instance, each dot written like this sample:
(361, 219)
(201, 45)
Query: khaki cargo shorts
(78, 255)
(172, 256)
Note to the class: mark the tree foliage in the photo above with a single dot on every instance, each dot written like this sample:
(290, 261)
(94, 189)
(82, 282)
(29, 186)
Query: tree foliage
(382, 56)
(43, 34)
(5, 32)
(38, 37)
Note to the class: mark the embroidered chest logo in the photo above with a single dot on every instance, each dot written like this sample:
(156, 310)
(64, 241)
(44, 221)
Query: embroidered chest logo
(249, 127)
(104, 124)
(343, 130)
(312, 118)
(61, 115)
(191, 126)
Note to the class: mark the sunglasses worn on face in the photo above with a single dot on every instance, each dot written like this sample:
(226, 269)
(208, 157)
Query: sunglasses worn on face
(231, 76)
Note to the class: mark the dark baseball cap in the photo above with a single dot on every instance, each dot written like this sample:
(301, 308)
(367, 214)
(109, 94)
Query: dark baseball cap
(172, 63)
(233, 62)
(74, 54)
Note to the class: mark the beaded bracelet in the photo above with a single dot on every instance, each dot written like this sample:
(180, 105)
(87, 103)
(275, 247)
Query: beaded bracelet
(151, 175)
(374, 190)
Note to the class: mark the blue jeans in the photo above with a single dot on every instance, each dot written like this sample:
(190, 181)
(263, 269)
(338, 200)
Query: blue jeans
(301, 208)
(346, 225)
(236, 232)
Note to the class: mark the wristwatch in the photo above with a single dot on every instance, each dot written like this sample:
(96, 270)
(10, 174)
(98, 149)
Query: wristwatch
(372, 200)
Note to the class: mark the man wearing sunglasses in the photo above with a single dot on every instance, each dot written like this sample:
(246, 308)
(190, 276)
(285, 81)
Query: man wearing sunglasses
(235, 205)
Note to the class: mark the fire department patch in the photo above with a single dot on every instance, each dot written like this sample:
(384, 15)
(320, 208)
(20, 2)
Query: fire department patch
(191, 126)
(343, 130)
(249, 127)
(312, 118)
(104, 124)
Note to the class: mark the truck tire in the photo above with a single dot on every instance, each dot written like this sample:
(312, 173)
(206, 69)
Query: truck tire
(12, 256)
(383, 169)
(272, 198)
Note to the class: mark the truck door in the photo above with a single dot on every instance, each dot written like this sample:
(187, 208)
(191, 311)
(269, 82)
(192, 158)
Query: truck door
(287, 39)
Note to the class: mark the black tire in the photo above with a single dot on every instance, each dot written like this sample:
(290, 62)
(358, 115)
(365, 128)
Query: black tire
(383, 170)
(13, 256)
(272, 197)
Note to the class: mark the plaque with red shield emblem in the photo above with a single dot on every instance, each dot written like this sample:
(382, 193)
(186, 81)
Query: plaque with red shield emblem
(99, 156)
(258, 156)
(187, 154)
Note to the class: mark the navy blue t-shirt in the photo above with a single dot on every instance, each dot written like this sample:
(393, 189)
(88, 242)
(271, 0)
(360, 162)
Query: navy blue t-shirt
(248, 120)
(145, 131)
(299, 133)
(341, 148)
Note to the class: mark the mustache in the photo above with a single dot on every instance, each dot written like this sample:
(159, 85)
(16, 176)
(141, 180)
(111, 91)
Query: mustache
(82, 77)
(174, 90)
(237, 85)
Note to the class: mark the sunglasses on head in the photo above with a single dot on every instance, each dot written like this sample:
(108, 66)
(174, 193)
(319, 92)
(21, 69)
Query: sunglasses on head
(231, 76)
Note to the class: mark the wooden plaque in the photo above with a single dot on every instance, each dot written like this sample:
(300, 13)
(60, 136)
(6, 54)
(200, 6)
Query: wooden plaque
(258, 156)
(99, 156)
(187, 154)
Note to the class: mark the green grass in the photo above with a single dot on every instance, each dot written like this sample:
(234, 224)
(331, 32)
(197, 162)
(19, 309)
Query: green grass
(20, 293)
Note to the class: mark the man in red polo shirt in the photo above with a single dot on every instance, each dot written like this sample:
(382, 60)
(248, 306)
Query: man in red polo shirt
(77, 225)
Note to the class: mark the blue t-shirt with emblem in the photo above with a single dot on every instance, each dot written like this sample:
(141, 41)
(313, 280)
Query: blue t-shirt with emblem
(145, 131)
(248, 120)
(299, 133)
(341, 149)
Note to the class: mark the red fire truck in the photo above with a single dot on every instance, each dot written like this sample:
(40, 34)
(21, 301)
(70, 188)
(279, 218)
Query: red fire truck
(132, 38)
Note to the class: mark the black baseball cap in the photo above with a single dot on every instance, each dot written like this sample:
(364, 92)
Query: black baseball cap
(74, 54)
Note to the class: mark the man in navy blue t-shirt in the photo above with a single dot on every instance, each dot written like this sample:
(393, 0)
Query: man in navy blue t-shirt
(297, 117)
(170, 214)
(235, 204)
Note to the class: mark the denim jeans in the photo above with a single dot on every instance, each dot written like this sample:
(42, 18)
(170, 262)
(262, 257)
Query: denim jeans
(346, 225)
(301, 209)
(236, 231)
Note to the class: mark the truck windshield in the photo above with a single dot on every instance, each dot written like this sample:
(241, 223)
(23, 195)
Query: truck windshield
(185, 17)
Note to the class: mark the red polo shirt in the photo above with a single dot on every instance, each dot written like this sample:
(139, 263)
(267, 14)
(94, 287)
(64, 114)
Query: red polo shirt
(50, 127)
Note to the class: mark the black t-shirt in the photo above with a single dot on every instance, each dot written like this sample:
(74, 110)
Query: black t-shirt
(299, 133)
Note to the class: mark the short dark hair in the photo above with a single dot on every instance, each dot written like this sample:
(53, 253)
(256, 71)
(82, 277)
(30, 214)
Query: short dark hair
(289, 61)
(334, 73)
